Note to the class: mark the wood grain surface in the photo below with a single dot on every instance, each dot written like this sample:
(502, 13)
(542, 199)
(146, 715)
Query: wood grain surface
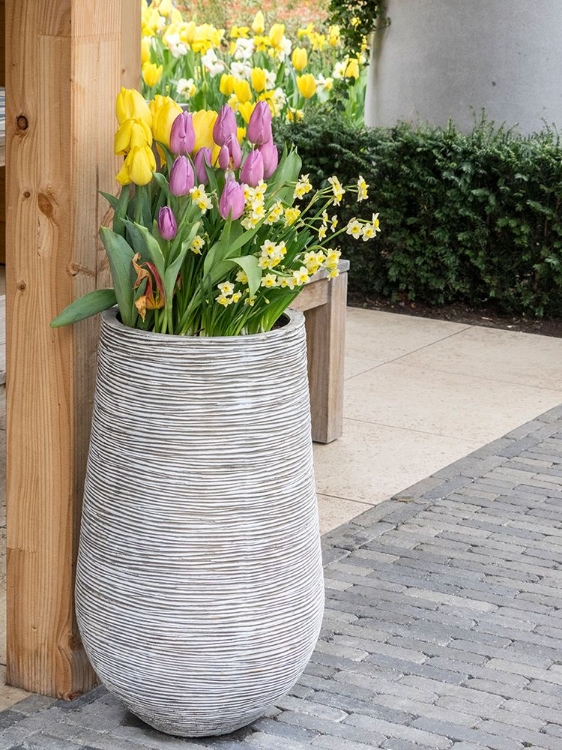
(64, 63)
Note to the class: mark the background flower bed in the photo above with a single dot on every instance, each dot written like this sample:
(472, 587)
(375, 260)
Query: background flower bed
(474, 219)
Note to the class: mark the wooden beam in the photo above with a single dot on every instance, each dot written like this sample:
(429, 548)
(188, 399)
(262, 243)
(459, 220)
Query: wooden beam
(64, 63)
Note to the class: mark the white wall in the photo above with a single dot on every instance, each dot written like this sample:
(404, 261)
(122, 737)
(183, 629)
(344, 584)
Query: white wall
(442, 59)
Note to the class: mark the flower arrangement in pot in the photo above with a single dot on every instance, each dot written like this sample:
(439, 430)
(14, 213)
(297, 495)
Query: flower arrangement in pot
(199, 588)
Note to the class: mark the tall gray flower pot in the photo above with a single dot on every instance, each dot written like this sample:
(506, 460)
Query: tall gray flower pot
(199, 589)
(442, 59)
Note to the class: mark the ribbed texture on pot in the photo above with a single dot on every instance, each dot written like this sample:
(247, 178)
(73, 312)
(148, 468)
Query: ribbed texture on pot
(199, 583)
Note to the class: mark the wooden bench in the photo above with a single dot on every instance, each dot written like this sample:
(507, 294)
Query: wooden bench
(323, 302)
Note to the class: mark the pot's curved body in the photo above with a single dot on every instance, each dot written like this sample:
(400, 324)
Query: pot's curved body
(199, 588)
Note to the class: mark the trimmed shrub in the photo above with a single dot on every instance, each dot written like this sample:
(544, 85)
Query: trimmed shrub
(474, 218)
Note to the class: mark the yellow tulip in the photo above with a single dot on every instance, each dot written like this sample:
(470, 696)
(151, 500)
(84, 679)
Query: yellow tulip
(241, 134)
(276, 33)
(187, 32)
(176, 16)
(130, 104)
(306, 85)
(203, 124)
(259, 79)
(165, 7)
(226, 85)
(334, 36)
(152, 73)
(138, 167)
(352, 69)
(246, 110)
(258, 24)
(299, 58)
(145, 50)
(243, 91)
(130, 134)
(164, 112)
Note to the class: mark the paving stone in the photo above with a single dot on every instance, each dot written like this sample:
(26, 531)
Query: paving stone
(478, 736)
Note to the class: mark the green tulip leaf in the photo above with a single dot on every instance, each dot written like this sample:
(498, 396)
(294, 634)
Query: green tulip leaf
(249, 264)
(88, 305)
(120, 255)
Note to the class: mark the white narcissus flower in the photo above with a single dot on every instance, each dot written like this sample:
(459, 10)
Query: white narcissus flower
(186, 87)
(175, 45)
(212, 64)
(241, 70)
(244, 49)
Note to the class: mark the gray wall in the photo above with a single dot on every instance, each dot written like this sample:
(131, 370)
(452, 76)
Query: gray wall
(442, 59)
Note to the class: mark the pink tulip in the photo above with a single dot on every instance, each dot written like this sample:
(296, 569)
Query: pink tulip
(167, 225)
(259, 127)
(270, 157)
(225, 125)
(182, 177)
(231, 202)
(252, 169)
(182, 134)
(202, 157)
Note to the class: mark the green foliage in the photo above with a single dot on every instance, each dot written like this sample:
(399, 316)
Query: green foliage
(356, 19)
(474, 218)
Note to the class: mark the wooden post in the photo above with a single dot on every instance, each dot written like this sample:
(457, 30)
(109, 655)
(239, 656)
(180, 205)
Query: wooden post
(325, 332)
(64, 62)
(324, 305)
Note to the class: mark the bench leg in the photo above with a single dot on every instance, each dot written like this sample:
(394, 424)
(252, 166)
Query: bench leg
(325, 330)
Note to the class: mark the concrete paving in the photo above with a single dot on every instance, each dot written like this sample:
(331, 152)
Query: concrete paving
(443, 625)
(420, 394)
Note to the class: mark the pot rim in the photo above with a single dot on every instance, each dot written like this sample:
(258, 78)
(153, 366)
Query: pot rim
(296, 321)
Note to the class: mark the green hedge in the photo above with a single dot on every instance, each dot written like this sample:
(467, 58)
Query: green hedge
(474, 218)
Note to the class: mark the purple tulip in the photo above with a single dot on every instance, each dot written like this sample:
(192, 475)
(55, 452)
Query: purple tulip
(182, 177)
(224, 157)
(270, 156)
(225, 125)
(182, 134)
(235, 151)
(259, 127)
(231, 203)
(202, 157)
(167, 225)
(230, 155)
(252, 169)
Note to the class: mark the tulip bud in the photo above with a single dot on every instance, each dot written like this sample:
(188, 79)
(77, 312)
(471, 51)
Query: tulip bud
(276, 33)
(231, 202)
(182, 177)
(258, 24)
(243, 91)
(224, 157)
(270, 157)
(259, 127)
(226, 86)
(299, 58)
(252, 169)
(152, 73)
(202, 157)
(259, 79)
(306, 84)
(234, 150)
(182, 134)
(225, 125)
(167, 225)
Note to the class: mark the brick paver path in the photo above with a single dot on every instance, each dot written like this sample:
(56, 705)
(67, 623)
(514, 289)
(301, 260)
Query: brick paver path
(443, 625)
